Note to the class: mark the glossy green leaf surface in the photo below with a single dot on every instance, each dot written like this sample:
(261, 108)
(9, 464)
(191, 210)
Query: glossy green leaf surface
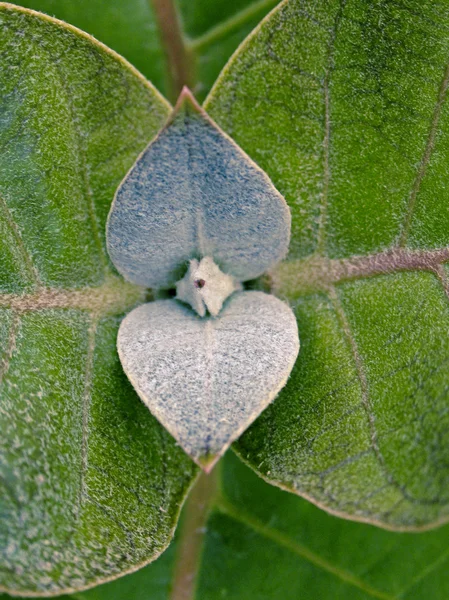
(91, 485)
(261, 542)
(207, 33)
(344, 105)
(289, 549)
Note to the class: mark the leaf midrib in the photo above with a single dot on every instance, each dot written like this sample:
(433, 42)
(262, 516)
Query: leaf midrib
(114, 296)
(296, 278)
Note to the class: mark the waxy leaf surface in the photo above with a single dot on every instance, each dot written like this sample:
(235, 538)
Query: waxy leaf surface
(260, 541)
(344, 105)
(130, 28)
(191, 194)
(90, 483)
(206, 379)
(190, 43)
(287, 549)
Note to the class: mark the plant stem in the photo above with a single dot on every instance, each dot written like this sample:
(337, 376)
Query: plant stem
(192, 533)
(179, 57)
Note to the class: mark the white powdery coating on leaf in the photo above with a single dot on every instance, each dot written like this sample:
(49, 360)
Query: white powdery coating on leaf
(194, 193)
(207, 379)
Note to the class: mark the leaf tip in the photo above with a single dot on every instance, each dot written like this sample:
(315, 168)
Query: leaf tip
(207, 462)
(187, 100)
(186, 91)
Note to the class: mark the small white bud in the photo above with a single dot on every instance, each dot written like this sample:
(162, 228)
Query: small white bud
(206, 287)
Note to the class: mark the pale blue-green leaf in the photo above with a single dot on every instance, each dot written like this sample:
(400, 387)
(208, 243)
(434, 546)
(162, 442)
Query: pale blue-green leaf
(206, 379)
(194, 193)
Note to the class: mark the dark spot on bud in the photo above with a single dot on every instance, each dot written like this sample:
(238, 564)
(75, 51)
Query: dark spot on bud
(199, 283)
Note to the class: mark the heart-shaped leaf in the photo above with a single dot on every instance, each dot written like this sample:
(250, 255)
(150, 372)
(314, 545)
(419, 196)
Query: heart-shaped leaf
(193, 193)
(207, 379)
(344, 105)
(90, 483)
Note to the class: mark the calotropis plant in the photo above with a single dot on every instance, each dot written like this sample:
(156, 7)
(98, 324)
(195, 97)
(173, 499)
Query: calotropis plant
(343, 104)
(194, 197)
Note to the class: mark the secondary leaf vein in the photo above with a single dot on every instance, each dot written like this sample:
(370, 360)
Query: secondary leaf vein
(426, 572)
(87, 394)
(27, 261)
(241, 18)
(327, 129)
(6, 360)
(300, 550)
(80, 151)
(366, 402)
(421, 172)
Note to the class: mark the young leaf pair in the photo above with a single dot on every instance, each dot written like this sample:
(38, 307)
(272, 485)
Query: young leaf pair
(195, 202)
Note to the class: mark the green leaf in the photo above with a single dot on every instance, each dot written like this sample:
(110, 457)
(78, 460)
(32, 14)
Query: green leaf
(191, 194)
(130, 28)
(206, 379)
(171, 43)
(91, 484)
(242, 539)
(344, 106)
(152, 582)
(263, 543)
